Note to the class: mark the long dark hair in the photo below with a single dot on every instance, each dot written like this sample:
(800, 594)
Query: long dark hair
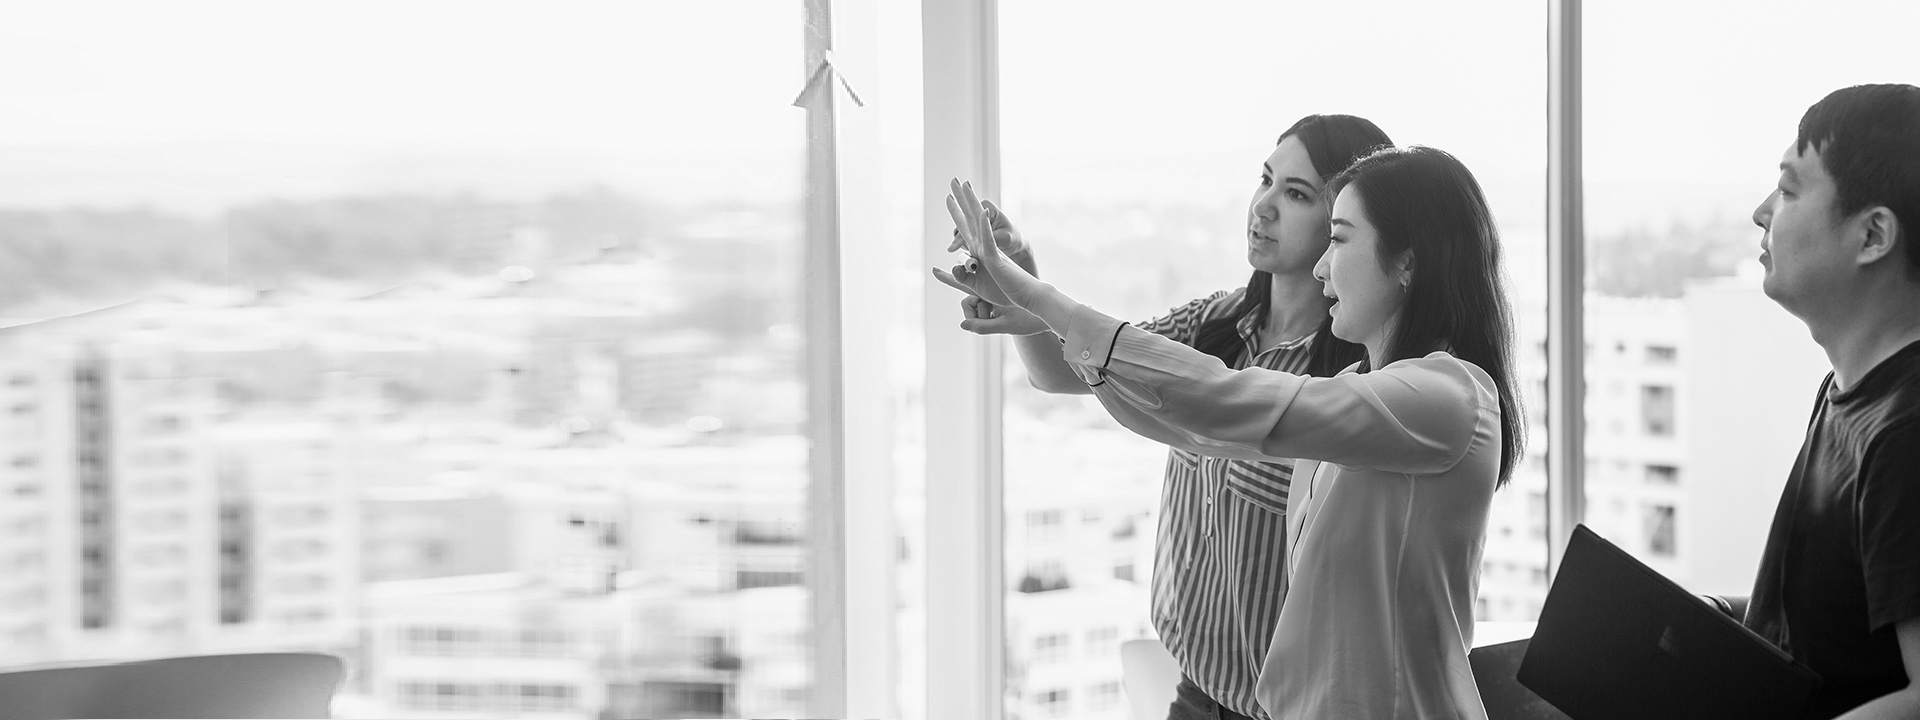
(1332, 143)
(1422, 199)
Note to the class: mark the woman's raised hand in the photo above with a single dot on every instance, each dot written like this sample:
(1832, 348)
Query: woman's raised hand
(976, 236)
(1005, 235)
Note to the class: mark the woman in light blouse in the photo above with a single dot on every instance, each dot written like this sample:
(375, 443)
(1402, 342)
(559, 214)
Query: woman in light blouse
(1400, 454)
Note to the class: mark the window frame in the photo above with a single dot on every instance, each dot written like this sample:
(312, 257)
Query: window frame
(850, 527)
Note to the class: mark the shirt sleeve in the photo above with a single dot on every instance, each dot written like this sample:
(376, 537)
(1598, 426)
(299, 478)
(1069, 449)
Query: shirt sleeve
(1889, 511)
(1415, 417)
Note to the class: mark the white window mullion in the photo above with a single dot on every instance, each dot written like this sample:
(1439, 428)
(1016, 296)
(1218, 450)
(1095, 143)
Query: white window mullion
(851, 537)
(965, 581)
(1566, 287)
(826, 405)
(867, 606)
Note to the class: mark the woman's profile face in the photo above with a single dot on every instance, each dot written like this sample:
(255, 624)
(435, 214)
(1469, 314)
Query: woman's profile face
(1367, 293)
(1286, 221)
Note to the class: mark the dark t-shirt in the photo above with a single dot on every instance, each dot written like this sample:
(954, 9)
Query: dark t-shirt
(1842, 563)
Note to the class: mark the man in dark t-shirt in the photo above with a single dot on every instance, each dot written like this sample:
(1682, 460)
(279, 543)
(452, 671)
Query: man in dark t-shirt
(1839, 581)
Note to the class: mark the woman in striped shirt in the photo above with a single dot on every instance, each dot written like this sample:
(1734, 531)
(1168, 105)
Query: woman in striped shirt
(1400, 454)
(1219, 562)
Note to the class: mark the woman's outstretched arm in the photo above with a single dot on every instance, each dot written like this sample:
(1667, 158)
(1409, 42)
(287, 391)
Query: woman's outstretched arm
(1416, 417)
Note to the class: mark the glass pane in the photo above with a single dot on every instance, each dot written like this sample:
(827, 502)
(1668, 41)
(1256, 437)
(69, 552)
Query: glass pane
(1128, 163)
(1698, 386)
(458, 339)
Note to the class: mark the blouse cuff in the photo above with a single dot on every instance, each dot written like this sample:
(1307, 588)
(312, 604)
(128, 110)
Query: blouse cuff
(1088, 342)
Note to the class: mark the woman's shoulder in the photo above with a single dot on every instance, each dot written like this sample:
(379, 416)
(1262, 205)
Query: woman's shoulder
(1222, 303)
(1443, 367)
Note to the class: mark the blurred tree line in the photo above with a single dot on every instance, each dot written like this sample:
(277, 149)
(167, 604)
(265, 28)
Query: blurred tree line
(1657, 263)
(85, 252)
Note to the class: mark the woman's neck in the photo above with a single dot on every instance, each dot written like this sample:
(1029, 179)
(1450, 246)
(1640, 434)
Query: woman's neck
(1299, 305)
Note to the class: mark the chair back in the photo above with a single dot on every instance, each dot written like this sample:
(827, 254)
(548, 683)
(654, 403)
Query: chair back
(50, 693)
(1149, 674)
(1495, 668)
(254, 685)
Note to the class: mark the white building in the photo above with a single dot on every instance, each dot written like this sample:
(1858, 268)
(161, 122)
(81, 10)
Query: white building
(1751, 374)
(476, 646)
(1081, 515)
(141, 523)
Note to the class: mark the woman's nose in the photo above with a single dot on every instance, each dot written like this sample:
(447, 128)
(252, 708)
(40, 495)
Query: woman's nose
(1263, 208)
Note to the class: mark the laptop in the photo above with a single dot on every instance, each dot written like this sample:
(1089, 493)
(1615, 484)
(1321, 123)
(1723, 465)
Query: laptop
(1617, 640)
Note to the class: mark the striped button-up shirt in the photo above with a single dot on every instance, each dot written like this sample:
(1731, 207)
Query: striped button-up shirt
(1220, 565)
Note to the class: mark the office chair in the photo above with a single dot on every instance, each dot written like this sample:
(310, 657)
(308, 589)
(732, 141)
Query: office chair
(254, 685)
(1149, 674)
(1494, 671)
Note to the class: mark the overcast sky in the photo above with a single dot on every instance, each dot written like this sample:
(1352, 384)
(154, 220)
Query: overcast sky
(1688, 105)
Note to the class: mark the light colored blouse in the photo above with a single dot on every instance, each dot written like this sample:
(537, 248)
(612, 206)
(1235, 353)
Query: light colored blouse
(1386, 537)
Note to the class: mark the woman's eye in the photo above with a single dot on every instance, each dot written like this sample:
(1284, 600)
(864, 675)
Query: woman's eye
(1296, 194)
(1265, 181)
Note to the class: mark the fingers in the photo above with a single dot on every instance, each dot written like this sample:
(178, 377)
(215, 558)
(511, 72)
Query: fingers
(960, 221)
(974, 308)
(993, 326)
(953, 282)
(955, 245)
(976, 213)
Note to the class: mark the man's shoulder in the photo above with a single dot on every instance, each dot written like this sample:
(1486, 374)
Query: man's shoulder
(1900, 386)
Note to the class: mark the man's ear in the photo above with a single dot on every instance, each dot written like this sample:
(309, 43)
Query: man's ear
(1879, 235)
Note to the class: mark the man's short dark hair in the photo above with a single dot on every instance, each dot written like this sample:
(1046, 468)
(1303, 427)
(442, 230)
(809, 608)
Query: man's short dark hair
(1869, 141)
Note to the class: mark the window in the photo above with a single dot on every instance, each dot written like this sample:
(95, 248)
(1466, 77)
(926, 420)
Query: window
(1657, 523)
(546, 697)
(434, 243)
(1663, 475)
(1103, 641)
(1656, 410)
(1103, 696)
(1674, 268)
(1053, 703)
(1044, 577)
(1130, 172)
(1051, 647)
(1043, 524)
(501, 252)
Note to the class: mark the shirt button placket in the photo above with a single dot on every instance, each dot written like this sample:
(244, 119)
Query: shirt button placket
(1213, 470)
